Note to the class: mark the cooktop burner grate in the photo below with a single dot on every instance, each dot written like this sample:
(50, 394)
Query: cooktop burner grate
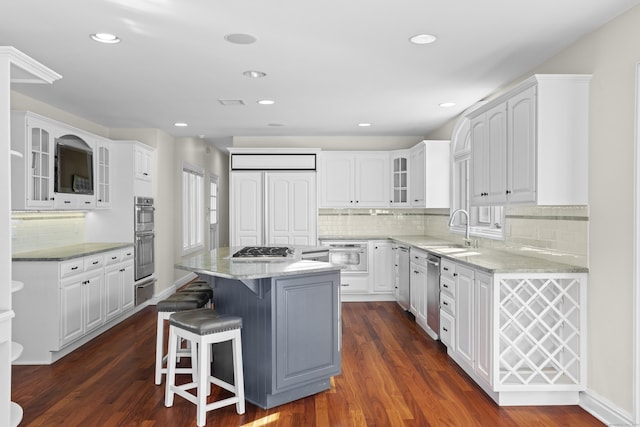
(263, 251)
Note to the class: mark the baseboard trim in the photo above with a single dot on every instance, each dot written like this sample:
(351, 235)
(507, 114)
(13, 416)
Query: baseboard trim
(604, 410)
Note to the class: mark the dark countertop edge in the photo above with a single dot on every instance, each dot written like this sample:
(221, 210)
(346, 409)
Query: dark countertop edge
(24, 256)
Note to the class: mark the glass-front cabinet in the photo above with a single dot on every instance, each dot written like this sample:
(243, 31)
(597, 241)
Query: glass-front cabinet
(400, 178)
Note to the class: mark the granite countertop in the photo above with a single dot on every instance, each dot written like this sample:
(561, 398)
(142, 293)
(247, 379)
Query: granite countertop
(490, 260)
(219, 264)
(63, 253)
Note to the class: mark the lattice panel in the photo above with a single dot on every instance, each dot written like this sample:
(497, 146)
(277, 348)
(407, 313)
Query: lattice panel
(539, 331)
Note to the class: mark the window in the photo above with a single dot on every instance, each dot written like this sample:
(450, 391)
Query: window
(213, 212)
(192, 208)
(485, 221)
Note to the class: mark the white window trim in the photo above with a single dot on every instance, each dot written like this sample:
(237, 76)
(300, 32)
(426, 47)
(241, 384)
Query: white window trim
(461, 151)
(192, 208)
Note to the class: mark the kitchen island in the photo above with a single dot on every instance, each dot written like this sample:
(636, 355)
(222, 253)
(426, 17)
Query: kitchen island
(291, 334)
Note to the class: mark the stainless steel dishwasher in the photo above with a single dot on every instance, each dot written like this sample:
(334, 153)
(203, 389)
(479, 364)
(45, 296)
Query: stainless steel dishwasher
(433, 293)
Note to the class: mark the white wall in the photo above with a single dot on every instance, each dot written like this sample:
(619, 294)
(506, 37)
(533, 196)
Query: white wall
(610, 55)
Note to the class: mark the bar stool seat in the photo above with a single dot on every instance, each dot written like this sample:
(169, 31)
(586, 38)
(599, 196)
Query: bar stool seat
(174, 303)
(198, 287)
(202, 328)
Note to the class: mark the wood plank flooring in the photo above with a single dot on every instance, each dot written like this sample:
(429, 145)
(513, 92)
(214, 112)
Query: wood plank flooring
(393, 374)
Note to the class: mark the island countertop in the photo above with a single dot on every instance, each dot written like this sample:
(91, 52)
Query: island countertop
(218, 263)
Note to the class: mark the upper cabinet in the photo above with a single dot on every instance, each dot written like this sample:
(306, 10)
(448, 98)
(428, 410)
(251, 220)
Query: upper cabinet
(429, 165)
(399, 178)
(354, 179)
(143, 166)
(530, 144)
(103, 178)
(55, 165)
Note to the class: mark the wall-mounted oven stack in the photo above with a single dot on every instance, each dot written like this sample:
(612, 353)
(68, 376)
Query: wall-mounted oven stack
(144, 255)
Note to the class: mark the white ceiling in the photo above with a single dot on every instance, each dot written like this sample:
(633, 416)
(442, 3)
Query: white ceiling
(330, 64)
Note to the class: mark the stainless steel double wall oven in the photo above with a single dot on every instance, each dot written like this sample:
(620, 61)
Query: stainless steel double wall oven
(144, 237)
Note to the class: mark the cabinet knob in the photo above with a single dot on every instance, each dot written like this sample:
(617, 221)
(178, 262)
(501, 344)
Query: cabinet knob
(508, 191)
(455, 274)
(445, 329)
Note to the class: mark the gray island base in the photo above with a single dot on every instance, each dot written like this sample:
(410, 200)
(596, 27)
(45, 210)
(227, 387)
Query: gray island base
(291, 334)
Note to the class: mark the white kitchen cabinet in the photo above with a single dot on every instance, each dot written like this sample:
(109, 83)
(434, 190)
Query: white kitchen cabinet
(143, 163)
(519, 336)
(418, 286)
(483, 304)
(291, 208)
(401, 271)
(383, 263)
(354, 179)
(273, 208)
(489, 156)
(429, 165)
(64, 302)
(399, 178)
(103, 174)
(81, 305)
(530, 144)
(118, 283)
(32, 175)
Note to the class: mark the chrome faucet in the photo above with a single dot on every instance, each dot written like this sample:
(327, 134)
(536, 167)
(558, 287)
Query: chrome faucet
(466, 234)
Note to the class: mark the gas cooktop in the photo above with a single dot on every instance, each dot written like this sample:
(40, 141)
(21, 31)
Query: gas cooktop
(263, 252)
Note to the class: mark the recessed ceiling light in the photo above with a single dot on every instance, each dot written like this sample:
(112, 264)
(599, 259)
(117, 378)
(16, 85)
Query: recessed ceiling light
(364, 125)
(275, 124)
(254, 74)
(266, 102)
(448, 104)
(422, 39)
(105, 38)
(180, 124)
(240, 38)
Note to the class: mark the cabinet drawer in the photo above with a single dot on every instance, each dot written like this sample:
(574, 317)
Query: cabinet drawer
(447, 268)
(352, 283)
(447, 330)
(418, 257)
(448, 304)
(113, 257)
(126, 254)
(448, 286)
(93, 262)
(69, 268)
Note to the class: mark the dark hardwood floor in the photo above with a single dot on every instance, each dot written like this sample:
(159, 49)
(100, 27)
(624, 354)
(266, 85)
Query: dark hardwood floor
(393, 374)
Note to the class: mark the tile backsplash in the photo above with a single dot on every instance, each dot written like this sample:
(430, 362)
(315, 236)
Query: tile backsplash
(556, 233)
(42, 230)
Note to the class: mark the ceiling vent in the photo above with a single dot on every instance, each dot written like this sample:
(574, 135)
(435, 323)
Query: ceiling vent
(230, 102)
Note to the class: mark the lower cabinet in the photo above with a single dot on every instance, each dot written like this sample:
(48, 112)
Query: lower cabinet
(520, 336)
(64, 301)
(418, 286)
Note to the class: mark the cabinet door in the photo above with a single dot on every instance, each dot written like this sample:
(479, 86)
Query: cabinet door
(383, 262)
(247, 212)
(521, 167)
(71, 312)
(372, 180)
(40, 167)
(479, 152)
(417, 171)
(496, 169)
(93, 300)
(103, 178)
(128, 288)
(306, 336)
(464, 313)
(291, 208)
(142, 164)
(337, 180)
(483, 336)
(112, 292)
(418, 292)
(399, 180)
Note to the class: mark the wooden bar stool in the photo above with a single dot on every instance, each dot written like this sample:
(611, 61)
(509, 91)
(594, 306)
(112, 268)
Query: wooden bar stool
(202, 328)
(175, 303)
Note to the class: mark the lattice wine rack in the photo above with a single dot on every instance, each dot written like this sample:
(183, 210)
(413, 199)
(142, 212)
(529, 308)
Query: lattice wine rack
(541, 333)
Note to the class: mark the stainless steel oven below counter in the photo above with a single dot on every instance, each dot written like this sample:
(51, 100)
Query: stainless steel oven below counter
(352, 256)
